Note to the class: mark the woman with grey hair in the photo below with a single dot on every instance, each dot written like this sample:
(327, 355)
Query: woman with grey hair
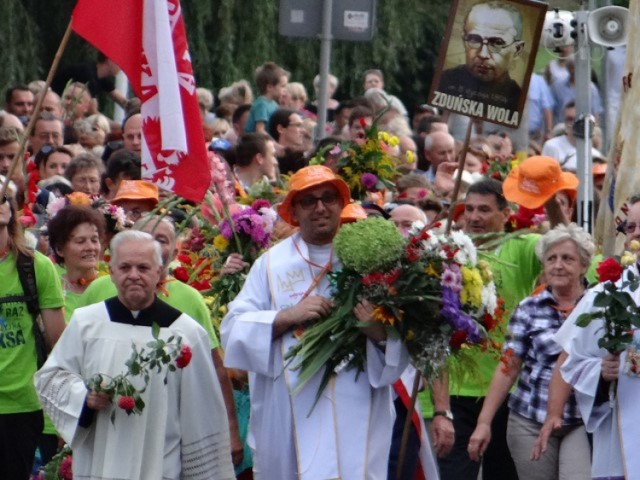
(529, 355)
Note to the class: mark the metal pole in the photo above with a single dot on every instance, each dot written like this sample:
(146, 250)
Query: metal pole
(325, 61)
(583, 126)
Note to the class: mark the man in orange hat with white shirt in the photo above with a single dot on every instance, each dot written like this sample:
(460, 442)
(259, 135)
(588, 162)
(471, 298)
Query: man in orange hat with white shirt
(347, 434)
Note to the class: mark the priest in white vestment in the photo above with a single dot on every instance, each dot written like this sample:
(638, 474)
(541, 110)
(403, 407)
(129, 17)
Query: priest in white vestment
(182, 432)
(589, 369)
(347, 435)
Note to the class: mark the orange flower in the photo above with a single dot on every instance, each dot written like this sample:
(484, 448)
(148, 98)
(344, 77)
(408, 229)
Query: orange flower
(79, 198)
(505, 360)
(384, 315)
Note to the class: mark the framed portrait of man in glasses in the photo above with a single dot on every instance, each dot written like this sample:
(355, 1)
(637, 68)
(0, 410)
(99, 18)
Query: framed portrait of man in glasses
(486, 59)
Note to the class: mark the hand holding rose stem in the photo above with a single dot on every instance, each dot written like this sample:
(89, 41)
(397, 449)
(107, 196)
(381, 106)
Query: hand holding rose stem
(103, 388)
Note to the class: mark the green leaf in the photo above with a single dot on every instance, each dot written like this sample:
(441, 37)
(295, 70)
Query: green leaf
(602, 300)
(155, 330)
(585, 319)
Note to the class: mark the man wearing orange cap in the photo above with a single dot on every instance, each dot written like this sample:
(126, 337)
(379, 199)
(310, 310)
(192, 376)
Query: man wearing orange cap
(486, 211)
(347, 434)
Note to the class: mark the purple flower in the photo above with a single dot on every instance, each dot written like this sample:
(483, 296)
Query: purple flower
(369, 181)
(225, 230)
(457, 318)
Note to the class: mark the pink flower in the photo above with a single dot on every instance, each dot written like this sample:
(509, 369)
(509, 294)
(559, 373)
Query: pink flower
(66, 471)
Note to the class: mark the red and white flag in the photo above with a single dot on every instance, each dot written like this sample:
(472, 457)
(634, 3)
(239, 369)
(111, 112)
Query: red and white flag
(147, 39)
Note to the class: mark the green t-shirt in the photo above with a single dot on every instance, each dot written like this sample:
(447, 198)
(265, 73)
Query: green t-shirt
(515, 271)
(181, 297)
(17, 346)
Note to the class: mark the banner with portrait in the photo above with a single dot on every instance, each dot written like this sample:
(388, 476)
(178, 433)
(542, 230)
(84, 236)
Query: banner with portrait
(486, 59)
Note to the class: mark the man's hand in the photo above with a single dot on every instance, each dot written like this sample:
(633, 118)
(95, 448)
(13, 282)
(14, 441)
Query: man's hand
(444, 181)
(364, 313)
(610, 367)
(98, 400)
(310, 309)
(443, 435)
(479, 441)
(550, 425)
(233, 264)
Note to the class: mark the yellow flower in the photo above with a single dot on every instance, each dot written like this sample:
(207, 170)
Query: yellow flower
(627, 259)
(485, 271)
(634, 245)
(384, 136)
(471, 293)
(410, 156)
(431, 271)
(220, 243)
(393, 141)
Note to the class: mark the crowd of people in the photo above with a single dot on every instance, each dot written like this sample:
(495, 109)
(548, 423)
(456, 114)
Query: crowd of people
(88, 252)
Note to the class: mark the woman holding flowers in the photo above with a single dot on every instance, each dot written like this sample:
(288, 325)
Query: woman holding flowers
(529, 355)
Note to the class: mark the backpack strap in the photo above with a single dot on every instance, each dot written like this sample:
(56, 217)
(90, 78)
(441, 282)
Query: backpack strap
(27, 275)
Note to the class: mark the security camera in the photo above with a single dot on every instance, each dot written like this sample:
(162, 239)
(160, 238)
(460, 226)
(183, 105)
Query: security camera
(556, 32)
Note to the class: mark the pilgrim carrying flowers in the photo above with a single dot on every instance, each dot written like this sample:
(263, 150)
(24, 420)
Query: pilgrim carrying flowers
(429, 290)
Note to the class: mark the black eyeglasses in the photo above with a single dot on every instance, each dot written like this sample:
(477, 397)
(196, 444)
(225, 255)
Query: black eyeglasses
(494, 44)
(308, 202)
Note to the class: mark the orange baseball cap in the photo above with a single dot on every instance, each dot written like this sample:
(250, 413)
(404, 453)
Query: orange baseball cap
(136, 190)
(536, 180)
(352, 212)
(308, 177)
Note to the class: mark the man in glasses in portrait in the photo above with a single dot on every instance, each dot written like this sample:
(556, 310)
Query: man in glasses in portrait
(492, 39)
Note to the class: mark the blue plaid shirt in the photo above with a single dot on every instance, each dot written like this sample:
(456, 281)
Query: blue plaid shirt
(531, 330)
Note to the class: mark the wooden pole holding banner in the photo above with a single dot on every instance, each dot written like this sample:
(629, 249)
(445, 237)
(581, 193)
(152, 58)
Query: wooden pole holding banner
(407, 425)
(458, 180)
(36, 109)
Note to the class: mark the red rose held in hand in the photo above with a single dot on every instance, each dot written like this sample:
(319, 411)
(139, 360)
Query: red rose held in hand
(609, 269)
(185, 357)
(127, 403)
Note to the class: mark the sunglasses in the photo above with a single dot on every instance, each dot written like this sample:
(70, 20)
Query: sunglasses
(308, 202)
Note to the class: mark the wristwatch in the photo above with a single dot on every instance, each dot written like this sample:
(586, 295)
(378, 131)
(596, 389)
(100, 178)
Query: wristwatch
(445, 413)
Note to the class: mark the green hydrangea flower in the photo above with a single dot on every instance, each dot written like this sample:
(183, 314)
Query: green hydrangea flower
(370, 245)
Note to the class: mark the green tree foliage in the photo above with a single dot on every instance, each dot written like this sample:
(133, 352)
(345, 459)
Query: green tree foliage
(228, 39)
(20, 46)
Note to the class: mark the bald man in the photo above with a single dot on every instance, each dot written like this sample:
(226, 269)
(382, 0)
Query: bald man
(439, 147)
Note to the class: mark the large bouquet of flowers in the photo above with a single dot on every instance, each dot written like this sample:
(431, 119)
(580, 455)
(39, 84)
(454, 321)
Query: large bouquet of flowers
(367, 164)
(429, 290)
(248, 233)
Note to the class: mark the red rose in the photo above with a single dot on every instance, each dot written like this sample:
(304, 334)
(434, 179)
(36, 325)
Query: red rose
(181, 274)
(609, 269)
(363, 122)
(185, 357)
(127, 403)
(457, 339)
(66, 468)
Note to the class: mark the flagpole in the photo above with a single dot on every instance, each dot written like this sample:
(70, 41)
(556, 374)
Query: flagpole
(37, 109)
